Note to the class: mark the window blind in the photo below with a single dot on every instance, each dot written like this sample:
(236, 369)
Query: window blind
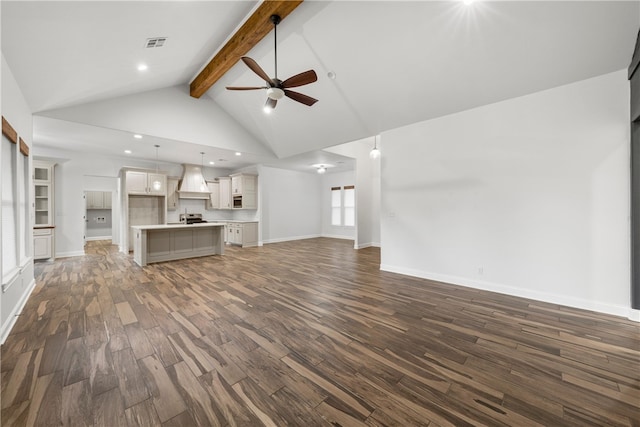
(8, 161)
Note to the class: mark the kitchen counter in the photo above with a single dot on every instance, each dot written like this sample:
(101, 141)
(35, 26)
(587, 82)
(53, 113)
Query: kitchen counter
(167, 242)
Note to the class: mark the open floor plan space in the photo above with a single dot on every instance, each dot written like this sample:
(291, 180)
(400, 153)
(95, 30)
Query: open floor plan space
(304, 333)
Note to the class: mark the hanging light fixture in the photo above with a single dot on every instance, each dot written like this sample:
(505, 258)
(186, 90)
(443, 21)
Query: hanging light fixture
(204, 183)
(157, 184)
(375, 153)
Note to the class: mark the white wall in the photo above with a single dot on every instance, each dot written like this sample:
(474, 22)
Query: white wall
(528, 196)
(367, 190)
(14, 108)
(335, 180)
(290, 205)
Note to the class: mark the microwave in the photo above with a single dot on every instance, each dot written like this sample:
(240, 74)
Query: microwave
(237, 202)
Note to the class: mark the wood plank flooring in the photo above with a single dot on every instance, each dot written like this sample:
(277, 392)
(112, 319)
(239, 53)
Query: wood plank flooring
(304, 333)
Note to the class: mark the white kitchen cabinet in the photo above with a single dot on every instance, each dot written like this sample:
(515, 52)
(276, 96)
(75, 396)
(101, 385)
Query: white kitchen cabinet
(43, 203)
(243, 191)
(42, 243)
(225, 192)
(172, 194)
(213, 202)
(95, 200)
(98, 200)
(244, 234)
(146, 183)
(106, 199)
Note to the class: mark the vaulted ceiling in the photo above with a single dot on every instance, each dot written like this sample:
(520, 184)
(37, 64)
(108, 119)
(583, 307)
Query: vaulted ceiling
(394, 63)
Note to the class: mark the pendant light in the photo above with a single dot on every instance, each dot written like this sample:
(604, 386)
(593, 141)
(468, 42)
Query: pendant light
(157, 184)
(203, 184)
(375, 153)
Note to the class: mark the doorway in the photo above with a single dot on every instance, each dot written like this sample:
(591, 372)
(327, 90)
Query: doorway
(98, 215)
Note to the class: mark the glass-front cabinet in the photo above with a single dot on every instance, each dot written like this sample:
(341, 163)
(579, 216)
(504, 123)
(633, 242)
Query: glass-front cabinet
(43, 225)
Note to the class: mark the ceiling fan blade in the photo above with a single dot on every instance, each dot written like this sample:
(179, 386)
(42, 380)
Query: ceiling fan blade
(301, 79)
(304, 99)
(246, 88)
(271, 103)
(253, 65)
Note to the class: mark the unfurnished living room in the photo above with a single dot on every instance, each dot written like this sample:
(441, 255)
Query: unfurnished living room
(320, 213)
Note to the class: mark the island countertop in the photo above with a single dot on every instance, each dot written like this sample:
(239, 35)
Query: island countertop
(176, 226)
(167, 242)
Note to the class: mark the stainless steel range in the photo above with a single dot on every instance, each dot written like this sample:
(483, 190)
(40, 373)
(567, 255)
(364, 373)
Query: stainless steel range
(191, 218)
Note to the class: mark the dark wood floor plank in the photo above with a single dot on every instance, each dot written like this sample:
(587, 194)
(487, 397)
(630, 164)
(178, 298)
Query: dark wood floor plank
(76, 404)
(108, 409)
(20, 382)
(307, 332)
(76, 361)
(142, 415)
(166, 398)
(102, 376)
(130, 380)
(200, 404)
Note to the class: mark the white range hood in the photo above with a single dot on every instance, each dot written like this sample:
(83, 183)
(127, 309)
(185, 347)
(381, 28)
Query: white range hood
(193, 185)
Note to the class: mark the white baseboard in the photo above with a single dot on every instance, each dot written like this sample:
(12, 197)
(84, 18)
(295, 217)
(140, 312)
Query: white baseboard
(288, 239)
(336, 236)
(568, 301)
(69, 254)
(367, 245)
(13, 317)
(91, 239)
(634, 315)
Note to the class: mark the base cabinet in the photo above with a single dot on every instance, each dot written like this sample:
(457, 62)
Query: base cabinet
(244, 234)
(42, 243)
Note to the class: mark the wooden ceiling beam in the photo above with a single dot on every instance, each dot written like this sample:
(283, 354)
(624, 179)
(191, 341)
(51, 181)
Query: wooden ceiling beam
(250, 33)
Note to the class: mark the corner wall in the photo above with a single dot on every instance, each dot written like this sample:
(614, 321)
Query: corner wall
(290, 205)
(528, 197)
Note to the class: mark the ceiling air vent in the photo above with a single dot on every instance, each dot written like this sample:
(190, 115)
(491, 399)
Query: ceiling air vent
(155, 42)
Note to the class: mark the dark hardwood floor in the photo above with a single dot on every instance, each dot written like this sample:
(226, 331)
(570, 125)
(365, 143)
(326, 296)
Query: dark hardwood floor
(305, 333)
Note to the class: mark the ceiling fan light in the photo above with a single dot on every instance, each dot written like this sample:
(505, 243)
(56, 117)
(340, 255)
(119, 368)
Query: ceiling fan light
(322, 169)
(275, 93)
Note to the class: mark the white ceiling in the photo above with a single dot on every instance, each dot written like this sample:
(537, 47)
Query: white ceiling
(395, 63)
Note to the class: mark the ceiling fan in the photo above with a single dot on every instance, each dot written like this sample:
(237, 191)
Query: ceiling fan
(277, 88)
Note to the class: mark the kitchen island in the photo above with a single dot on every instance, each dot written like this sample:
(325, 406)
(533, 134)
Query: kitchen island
(167, 242)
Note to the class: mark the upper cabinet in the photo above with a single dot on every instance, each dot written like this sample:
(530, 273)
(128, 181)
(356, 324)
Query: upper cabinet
(225, 192)
(146, 183)
(98, 199)
(243, 190)
(172, 194)
(213, 202)
(43, 193)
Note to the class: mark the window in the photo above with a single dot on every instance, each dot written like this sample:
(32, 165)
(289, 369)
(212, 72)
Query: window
(24, 171)
(9, 218)
(14, 193)
(350, 205)
(343, 206)
(336, 206)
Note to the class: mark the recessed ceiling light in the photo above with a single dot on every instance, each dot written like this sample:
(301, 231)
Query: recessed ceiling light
(238, 153)
(127, 151)
(137, 136)
(142, 67)
(468, 2)
(212, 163)
(331, 75)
